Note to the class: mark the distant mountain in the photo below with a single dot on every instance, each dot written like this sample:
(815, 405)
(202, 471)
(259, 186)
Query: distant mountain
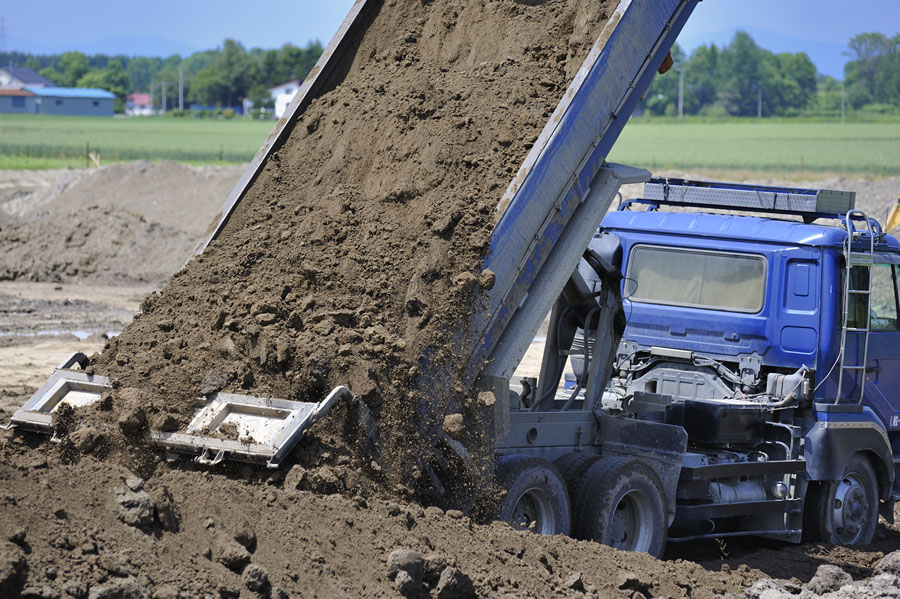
(826, 55)
(129, 46)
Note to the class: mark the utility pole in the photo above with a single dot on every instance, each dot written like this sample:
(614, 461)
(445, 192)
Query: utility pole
(680, 92)
(843, 101)
(163, 96)
(3, 39)
(758, 102)
(180, 86)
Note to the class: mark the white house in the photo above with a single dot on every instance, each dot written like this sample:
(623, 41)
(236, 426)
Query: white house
(19, 77)
(283, 94)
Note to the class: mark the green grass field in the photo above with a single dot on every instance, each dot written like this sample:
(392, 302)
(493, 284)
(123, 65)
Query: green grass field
(32, 141)
(770, 145)
(767, 145)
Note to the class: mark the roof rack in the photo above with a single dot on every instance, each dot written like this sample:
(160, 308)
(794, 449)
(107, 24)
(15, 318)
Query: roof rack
(810, 204)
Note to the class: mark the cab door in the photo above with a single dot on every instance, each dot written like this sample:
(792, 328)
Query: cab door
(883, 365)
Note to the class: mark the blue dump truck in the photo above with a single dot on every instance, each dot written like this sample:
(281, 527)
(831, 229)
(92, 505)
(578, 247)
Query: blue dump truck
(753, 375)
(704, 375)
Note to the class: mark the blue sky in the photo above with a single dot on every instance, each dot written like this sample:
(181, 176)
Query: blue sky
(819, 27)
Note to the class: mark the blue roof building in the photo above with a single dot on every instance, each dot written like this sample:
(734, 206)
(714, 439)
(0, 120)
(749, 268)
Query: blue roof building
(72, 101)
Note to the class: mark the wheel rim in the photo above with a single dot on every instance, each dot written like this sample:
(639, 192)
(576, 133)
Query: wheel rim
(850, 510)
(534, 511)
(631, 527)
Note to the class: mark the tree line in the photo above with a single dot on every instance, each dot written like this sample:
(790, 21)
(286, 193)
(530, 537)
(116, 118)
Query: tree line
(220, 77)
(743, 79)
(739, 79)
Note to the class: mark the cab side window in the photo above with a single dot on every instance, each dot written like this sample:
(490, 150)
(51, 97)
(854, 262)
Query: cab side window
(885, 299)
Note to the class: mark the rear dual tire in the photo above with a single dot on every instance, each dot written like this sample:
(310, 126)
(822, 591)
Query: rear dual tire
(535, 497)
(620, 502)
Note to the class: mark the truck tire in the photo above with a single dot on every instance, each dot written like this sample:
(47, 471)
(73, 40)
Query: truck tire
(845, 511)
(572, 466)
(620, 502)
(535, 495)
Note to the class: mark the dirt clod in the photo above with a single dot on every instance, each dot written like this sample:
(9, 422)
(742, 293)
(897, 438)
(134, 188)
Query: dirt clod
(134, 505)
(166, 512)
(245, 535)
(12, 567)
(575, 582)
(129, 588)
(408, 586)
(75, 589)
(230, 553)
(41, 592)
(453, 584)
(255, 578)
(406, 560)
(828, 578)
(889, 564)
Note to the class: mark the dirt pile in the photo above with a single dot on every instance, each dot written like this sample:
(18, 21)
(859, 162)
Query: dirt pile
(355, 251)
(75, 524)
(122, 224)
(90, 528)
(832, 582)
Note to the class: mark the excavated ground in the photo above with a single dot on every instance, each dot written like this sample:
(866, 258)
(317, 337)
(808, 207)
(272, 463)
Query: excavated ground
(64, 500)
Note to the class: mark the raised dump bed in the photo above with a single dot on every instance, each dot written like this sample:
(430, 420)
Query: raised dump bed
(370, 242)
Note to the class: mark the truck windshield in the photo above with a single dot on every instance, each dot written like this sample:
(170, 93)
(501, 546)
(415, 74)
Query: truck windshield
(696, 278)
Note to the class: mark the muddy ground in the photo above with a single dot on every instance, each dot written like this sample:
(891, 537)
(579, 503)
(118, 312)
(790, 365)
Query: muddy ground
(75, 523)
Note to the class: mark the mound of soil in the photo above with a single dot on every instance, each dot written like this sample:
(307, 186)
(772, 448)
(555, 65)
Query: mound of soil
(93, 529)
(356, 250)
(104, 244)
(126, 223)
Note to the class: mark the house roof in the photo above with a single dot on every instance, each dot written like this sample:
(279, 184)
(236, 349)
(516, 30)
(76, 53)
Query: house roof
(139, 99)
(27, 76)
(12, 91)
(71, 92)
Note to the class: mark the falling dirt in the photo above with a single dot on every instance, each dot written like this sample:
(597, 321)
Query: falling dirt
(355, 251)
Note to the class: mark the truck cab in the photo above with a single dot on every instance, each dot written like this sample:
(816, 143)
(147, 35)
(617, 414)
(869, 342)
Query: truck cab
(755, 383)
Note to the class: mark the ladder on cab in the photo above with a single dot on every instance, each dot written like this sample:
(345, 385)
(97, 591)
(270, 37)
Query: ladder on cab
(857, 295)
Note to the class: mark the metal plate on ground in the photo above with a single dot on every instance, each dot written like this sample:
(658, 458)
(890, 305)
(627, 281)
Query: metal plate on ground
(246, 428)
(75, 388)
